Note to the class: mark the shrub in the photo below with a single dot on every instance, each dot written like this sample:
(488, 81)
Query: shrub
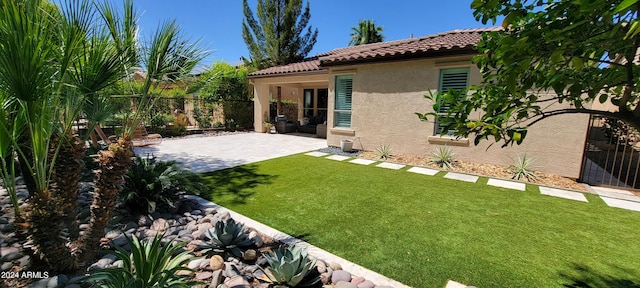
(204, 120)
(179, 126)
(227, 237)
(150, 264)
(384, 152)
(152, 184)
(290, 267)
(443, 157)
(520, 169)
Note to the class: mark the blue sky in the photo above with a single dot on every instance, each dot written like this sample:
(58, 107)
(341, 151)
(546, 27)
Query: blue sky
(218, 23)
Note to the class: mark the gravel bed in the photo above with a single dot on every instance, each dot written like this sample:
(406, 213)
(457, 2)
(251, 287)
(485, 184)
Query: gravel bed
(338, 151)
(187, 225)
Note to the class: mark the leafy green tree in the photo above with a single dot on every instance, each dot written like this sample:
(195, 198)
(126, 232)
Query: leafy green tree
(365, 33)
(225, 82)
(277, 37)
(551, 58)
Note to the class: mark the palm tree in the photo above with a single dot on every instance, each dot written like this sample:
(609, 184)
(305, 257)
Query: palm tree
(52, 62)
(366, 32)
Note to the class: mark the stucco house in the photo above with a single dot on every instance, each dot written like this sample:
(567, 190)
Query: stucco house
(369, 94)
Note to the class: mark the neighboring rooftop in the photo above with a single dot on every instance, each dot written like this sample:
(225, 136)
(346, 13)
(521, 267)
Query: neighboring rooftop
(456, 41)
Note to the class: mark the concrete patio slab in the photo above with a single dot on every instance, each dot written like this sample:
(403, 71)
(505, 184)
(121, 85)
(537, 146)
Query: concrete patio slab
(317, 154)
(616, 193)
(619, 203)
(507, 184)
(423, 171)
(206, 154)
(338, 157)
(388, 165)
(571, 195)
(461, 177)
(362, 161)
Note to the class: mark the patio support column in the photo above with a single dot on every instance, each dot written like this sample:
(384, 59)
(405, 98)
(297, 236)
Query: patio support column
(260, 106)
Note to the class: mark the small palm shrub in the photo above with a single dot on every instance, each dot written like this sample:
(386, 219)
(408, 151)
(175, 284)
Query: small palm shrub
(226, 238)
(384, 152)
(290, 267)
(520, 169)
(443, 157)
(152, 184)
(150, 264)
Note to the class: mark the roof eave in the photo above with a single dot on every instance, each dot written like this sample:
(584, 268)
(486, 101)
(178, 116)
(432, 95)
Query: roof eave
(319, 71)
(404, 56)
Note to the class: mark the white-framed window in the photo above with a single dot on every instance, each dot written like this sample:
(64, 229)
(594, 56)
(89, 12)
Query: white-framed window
(342, 110)
(450, 79)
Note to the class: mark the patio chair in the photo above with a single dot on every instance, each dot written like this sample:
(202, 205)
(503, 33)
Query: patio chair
(142, 138)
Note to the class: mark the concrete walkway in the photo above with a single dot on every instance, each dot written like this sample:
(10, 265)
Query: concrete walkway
(206, 154)
(618, 198)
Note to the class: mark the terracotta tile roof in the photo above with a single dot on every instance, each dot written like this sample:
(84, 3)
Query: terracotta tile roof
(452, 41)
(306, 65)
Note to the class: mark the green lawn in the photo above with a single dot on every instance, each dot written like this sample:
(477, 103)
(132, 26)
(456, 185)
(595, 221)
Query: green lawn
(422, 230)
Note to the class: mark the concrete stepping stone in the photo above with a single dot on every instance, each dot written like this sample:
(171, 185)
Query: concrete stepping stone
(619, 203)
(454, 284)
(616, 193)
(461, 177)
(506, 184)
(423, 171)
(317, 154)
(388, 165)
(362, 161)
(338, 157)
(577, 196)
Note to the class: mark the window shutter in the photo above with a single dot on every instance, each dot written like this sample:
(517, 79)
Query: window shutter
(452, 79)
(344, 89)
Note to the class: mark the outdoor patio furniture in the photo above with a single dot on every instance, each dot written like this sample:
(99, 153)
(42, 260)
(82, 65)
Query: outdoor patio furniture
(285, 127)
(142, 138)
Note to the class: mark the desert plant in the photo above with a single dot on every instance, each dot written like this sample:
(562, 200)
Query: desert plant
(267, 126)
(152, 184)
(227, 237)
(290, 267)
(520, 169)
(150, 264)
(384, 152)
(443, 157)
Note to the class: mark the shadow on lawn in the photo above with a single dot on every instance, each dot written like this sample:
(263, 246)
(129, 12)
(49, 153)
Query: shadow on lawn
(235, 182)
(586, 277)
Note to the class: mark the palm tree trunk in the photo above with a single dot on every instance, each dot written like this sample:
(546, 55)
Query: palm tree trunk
(45, 234)
(113, 165)
(67, 171)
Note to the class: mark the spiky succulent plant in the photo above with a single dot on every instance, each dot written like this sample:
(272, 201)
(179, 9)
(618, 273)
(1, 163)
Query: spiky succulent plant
(227, 237)
(290, 267)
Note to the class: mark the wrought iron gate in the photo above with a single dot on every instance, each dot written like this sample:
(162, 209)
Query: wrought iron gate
(611, 155)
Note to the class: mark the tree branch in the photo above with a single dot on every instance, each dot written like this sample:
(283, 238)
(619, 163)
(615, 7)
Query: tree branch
(615, 115)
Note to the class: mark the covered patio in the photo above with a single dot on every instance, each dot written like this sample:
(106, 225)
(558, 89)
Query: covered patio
(303, 83)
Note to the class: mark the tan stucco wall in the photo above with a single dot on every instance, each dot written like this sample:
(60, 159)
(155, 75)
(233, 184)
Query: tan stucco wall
(386, 96)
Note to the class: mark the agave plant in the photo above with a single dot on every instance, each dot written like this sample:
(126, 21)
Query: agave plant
(520, 169)
(384, 152)
(227, 237)
(150, 264)
(443, 157)
(290, 267)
